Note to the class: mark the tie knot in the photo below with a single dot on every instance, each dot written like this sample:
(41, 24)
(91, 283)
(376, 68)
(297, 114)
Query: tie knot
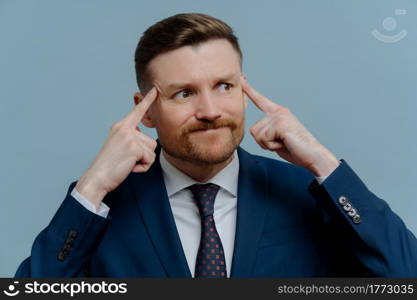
(204, 195)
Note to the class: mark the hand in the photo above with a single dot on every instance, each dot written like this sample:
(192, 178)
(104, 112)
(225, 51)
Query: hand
(125, 150)
(281, 132)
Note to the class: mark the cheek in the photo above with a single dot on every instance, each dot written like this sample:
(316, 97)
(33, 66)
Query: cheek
(237, 103)
(172, 118)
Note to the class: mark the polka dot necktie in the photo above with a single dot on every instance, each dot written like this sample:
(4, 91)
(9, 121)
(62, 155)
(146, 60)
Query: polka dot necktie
(210, 262)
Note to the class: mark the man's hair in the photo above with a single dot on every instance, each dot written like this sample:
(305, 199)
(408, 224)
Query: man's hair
(188, 29)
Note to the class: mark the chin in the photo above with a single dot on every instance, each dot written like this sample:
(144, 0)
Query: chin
(212, 155)
(212, 149)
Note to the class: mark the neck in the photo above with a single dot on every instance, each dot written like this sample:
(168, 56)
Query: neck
(201, 173)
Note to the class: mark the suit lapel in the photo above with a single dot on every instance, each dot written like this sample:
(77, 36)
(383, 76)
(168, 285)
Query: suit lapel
(156, 212)
(251, 210)
(159, 221)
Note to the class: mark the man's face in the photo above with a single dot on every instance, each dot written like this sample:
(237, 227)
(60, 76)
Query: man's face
(199, 113)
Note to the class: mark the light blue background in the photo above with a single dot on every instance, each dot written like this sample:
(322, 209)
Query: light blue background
(66, 74)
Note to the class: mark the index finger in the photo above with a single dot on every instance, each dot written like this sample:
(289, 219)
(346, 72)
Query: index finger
(263, 103)
(137, 113)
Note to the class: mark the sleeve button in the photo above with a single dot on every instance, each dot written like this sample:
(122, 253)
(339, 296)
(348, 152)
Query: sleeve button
(347, 207)
(61, 256)
(342, 200)
(356, 219)
(352, 212)
(69, 240)
(72, 233)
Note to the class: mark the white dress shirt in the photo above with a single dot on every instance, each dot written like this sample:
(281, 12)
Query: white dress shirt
(186, 214)
(185, 210)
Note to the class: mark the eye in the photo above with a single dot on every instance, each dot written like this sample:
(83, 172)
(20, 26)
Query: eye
(182, 94)
(227, 86)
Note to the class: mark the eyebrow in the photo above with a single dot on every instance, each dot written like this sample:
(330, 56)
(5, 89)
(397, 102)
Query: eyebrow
(180, 85)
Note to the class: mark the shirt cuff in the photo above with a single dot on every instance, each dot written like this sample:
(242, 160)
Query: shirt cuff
(102, 211)
(321, 179)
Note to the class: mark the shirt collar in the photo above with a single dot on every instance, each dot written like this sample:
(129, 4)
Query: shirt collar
(175, 180)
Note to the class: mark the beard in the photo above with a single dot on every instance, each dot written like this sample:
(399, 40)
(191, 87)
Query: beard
(197, 145)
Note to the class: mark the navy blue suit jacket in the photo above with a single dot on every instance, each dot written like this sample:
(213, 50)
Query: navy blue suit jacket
(287, 226)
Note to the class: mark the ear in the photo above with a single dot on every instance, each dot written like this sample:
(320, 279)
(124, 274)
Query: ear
(147, 119)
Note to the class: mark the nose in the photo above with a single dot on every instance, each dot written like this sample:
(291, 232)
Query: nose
(206, 107)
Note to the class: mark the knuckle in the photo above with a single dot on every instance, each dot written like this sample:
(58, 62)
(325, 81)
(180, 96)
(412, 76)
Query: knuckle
(284, 109)
(145, 159)
(115, 126)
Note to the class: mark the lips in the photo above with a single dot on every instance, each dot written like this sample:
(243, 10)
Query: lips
(209, 130)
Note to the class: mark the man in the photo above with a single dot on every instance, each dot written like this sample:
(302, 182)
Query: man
(194, 203)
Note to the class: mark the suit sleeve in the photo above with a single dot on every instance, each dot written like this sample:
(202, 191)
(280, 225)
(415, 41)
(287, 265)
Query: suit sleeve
(370, 229)
(65, 246)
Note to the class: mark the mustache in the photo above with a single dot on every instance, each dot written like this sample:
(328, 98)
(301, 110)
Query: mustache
(211, 125)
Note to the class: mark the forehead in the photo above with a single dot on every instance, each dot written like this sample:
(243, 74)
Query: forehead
(196, 64)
